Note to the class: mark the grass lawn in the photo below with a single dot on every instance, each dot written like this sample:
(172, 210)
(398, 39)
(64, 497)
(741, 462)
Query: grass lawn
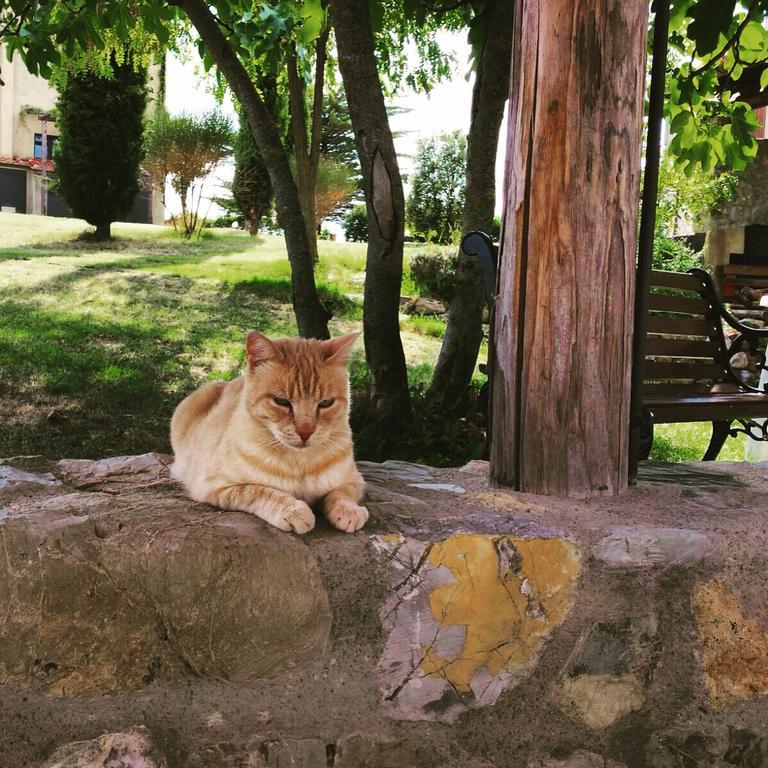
(99, 342)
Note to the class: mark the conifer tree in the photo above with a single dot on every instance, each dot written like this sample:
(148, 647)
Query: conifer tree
(99, 149)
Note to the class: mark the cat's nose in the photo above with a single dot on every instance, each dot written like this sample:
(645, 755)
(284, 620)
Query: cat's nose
(304, 432)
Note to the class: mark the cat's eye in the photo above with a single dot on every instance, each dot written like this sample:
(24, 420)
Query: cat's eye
(281, 401)
(326, 403)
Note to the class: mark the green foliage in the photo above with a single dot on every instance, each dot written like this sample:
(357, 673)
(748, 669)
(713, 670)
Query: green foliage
(251, 186)
(337, 138)
(433, 438)
(673, 255)
(335, 184)
(433, 272)
(436, 201)
(355, 224)
(712, 42)
(184, 150)
(100, 121)
(407, 43)
(690, 196)
(426, 325)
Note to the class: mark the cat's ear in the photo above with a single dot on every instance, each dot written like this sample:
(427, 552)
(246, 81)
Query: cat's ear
(258, 349)
(339, 350)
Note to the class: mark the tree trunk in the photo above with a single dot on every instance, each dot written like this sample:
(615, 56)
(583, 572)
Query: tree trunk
(464, 332)
(103, 231)
(311, 316)
(385, 205)
(563, 330)
(306, 146)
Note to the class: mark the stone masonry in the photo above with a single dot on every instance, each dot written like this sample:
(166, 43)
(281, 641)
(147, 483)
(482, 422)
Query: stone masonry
(464, 626)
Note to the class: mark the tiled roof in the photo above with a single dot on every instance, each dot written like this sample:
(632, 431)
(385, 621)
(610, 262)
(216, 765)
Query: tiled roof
(35, 163)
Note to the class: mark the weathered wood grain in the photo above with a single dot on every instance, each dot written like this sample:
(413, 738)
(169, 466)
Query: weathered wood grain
(560, 395)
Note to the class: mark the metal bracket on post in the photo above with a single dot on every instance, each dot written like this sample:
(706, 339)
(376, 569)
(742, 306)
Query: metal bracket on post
(479, 244)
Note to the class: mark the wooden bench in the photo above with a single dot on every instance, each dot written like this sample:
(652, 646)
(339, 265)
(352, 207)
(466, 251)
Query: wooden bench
(690, 367)
(689, 373)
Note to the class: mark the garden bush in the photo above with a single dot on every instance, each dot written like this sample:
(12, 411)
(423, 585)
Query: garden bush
(433, 272)
(355, 224)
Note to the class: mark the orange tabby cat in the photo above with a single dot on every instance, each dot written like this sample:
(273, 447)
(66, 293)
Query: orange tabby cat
(277, 439)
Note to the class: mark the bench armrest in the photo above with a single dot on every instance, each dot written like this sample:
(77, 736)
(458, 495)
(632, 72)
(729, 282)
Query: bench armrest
(746, 341)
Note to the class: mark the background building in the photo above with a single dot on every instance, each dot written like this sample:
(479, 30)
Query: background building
(28, 133)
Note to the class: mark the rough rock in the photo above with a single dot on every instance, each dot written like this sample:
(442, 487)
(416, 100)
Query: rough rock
(734, 647)
(132, 749)
(294, 753)
(599, 701)
(640, 546)
(446, 650)
(608, 676)
(99, 596)
(709, 744)
(578, 759)
(423, 306)
(457, 630)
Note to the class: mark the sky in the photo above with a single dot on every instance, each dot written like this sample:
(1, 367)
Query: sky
(445, 109)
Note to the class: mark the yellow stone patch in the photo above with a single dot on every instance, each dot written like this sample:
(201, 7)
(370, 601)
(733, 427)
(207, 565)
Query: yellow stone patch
(600, 700)
(734, 648)
(506, 608)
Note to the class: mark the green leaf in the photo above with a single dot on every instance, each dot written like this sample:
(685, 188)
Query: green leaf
(313, 17)
(711, 18)
(764, 79)
(753, 37)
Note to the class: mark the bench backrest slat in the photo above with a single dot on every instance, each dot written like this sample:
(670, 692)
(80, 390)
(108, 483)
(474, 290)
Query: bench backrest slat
(681, 304)
(678, 325)
(664, 346)
(684, 343)
(664, 370)
(680, 280)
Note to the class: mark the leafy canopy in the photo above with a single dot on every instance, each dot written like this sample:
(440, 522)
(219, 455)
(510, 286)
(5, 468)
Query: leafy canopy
(714, 45)
(183, 150)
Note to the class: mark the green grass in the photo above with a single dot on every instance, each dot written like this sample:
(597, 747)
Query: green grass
(688, 442)
(99, 342)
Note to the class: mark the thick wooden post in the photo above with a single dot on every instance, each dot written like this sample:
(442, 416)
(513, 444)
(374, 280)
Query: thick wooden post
(564, 312)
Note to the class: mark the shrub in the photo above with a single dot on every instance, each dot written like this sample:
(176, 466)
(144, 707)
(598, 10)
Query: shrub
(355, 224)
(434, 272)
(184, 150)
(673, 255)
(98, 151)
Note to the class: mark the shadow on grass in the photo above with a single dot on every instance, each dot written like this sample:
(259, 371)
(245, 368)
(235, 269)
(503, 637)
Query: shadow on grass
(279, 289)
(76, 385)
(94, 367)
(173, 248)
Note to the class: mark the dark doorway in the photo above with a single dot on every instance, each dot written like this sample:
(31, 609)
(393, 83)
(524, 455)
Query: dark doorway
(56, 205)
(13, 189)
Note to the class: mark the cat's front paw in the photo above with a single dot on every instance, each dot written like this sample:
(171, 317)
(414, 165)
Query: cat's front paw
(347, 516)
(298, 518)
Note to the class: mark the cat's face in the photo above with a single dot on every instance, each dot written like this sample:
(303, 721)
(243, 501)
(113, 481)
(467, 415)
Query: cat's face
(298, 390)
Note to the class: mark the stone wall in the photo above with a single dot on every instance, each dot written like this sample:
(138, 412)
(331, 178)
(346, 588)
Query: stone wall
(465, 626)
(749, 206)
(750, 202)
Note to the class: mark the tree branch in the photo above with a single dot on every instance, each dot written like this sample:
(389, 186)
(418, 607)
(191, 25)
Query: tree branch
(729, 44)
(321, 56)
